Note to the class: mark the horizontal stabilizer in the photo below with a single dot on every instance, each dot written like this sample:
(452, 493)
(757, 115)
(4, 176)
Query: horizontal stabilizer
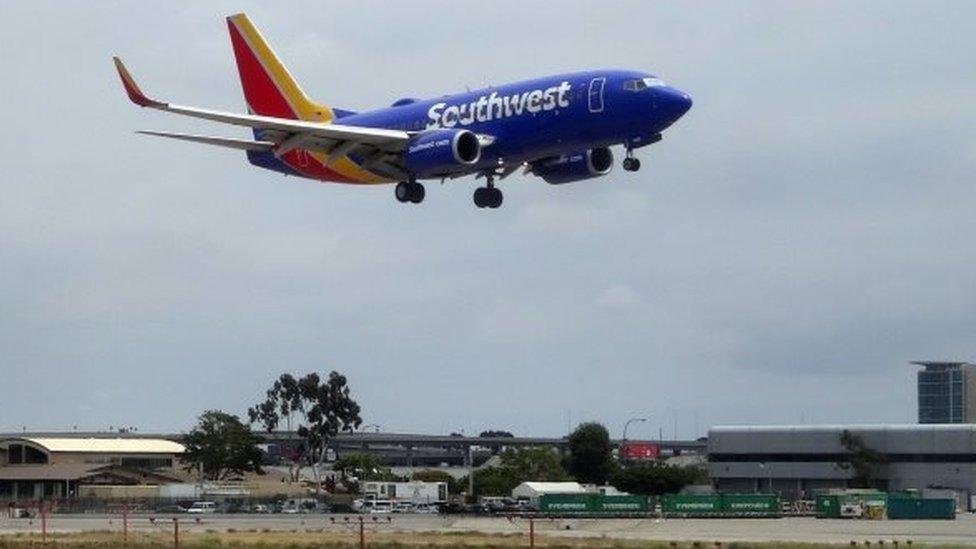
(240, 144)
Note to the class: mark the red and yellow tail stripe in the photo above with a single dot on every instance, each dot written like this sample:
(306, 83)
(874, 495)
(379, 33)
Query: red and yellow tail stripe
(270, 90)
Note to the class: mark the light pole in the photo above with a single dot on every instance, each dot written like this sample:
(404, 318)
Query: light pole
(632, 420)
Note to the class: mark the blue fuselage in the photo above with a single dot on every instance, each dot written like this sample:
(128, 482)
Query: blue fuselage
(535, 119)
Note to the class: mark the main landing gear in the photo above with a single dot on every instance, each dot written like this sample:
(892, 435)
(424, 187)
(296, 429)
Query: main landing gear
(488, 196)
(631, 164)
(410, 191)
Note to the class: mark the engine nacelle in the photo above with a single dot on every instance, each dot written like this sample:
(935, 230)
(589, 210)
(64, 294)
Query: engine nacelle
(440, 151)
(575, 166)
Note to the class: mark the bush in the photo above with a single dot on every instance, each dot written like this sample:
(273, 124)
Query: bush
(657, 479)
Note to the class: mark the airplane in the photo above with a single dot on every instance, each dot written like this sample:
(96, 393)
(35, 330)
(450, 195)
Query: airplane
(559, 128)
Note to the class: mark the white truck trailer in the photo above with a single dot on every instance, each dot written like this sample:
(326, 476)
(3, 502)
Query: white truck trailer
(410, 492)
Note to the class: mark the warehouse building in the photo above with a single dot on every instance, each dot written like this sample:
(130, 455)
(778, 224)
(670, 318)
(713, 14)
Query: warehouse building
(797, 461)
(41, 467)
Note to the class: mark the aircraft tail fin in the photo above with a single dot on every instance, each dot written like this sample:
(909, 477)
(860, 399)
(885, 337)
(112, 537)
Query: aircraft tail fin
(269, 89)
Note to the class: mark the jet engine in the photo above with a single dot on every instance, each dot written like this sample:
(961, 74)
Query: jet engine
(575, 166)
(441, 151)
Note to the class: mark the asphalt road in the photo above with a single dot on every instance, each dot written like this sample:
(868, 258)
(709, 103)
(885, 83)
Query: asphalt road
(959, 531)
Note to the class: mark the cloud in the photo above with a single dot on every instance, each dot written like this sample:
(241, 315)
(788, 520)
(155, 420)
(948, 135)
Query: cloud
(802, 233)
(618, 296)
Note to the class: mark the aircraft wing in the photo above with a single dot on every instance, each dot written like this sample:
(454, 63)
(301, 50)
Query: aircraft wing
(240, 144)
(284, 134)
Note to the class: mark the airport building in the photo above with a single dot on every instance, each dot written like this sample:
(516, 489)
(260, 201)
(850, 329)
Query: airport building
(946, 392)
(41, 467)
(797, 461)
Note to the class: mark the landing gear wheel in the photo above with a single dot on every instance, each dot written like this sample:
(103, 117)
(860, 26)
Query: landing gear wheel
(488, 197)
(402, 192)
(631, 164)
(495, 197)
(417, 193)
(410, 192)
(481, 197)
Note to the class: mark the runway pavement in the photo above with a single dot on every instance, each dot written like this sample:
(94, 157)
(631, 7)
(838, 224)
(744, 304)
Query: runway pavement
(959, 531)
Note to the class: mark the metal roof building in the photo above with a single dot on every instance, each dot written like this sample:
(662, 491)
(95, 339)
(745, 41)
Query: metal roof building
(38, 467)
(102, 445)
(802, 459)
(133, 452)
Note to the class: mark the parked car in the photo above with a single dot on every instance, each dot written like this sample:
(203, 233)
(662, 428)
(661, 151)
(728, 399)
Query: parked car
(426, 509)
(373, 506)
(202, 507)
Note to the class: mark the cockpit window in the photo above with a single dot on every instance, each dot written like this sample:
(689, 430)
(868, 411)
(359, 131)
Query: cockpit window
(639, 84)
(634, 85)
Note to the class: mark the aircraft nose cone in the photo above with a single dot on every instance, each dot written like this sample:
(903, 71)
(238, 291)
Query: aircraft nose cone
(675, 102)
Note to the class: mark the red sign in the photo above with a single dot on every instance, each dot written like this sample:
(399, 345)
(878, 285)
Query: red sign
(639, 450)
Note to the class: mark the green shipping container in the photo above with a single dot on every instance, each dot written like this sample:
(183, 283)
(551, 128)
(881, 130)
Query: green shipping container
(593, 504)
(623, 504)
(691, 505)
(828, 505)
(567, 503)
(751, 504)
(901, 508)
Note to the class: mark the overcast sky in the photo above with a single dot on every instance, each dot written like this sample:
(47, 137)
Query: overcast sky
(804, 232)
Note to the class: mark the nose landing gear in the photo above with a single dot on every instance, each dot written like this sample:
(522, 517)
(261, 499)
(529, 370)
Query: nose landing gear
(410, 191)
(631, 164)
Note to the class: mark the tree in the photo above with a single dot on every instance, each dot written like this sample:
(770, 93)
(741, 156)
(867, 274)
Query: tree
(365, 467)
(324, 409)
(539, 464)
(590, 454)
(356, 464)
(220, 446)
(862, 460)
(656, 479)
(518, 466)
(496, 434)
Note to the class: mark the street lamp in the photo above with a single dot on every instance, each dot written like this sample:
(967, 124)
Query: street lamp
(632, 420)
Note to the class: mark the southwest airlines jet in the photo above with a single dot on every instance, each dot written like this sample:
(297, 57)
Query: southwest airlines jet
(559, 128)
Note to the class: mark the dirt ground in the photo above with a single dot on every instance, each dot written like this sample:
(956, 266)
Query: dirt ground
(398, 540)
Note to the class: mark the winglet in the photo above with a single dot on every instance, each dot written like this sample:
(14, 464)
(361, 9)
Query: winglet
(132, 89)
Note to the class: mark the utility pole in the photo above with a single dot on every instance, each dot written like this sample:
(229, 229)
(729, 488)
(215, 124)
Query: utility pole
(176, 532)
(470, 458)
